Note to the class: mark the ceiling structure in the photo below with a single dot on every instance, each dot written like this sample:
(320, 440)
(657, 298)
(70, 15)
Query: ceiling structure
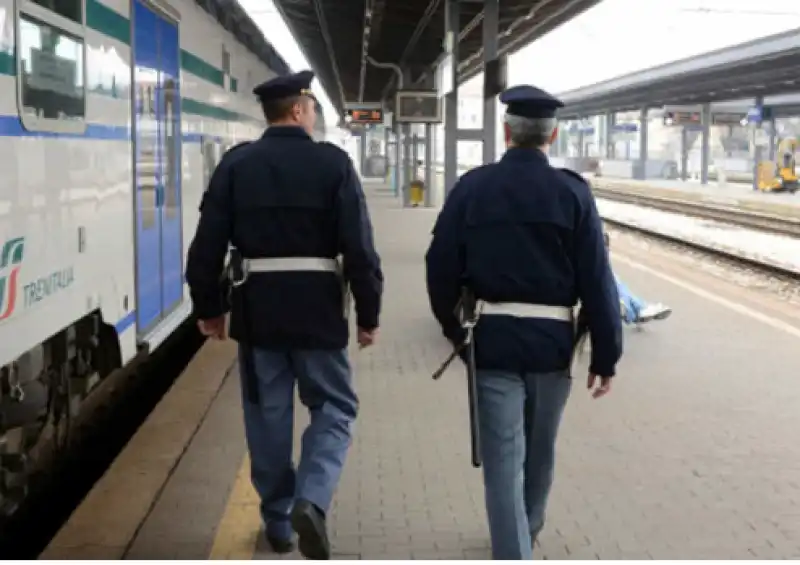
(765, 66)
(233, 18)
(337, 36)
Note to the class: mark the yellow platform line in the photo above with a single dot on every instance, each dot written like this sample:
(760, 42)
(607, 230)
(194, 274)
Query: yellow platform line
(238, 531)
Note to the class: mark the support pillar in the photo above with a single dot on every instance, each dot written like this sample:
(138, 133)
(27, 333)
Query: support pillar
(491, 11)
(428, 165)
(610, 150)
(451, 31)
(705, 143)
(398, 157)
(385, 153)
(773, 139)
(407, 170)
(684, 154)
(363, 153)
(643, 123)
(758, 151)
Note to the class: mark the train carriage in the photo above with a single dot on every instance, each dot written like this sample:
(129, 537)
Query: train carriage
(113, 114)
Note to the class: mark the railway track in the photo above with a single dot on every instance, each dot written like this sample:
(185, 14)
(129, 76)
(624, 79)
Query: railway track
(764, 266)
(727, 214)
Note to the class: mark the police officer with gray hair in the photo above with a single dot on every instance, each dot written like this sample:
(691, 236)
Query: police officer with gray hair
(525, 239)
(294, 211)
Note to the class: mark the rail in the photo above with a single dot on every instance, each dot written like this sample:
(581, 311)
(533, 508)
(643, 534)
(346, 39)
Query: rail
(757, 264)
(750, 219)
(761, 221)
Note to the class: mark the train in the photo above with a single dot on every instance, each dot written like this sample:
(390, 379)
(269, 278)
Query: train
(113, 115)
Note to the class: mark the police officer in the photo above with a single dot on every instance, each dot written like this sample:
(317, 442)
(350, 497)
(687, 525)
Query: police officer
(290, 206)
(527, 240)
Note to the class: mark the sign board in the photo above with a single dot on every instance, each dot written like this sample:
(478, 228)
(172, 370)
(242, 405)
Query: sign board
(683, 108)
(629, 127)
(363, 105)
(364, 115)
(683, 118)
(728, 119)
(418, 107)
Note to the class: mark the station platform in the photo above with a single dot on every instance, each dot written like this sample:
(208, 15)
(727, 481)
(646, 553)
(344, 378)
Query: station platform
(693, 454)
(738, 195)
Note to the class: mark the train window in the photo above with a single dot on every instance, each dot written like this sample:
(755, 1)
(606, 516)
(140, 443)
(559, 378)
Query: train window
(171, 141)
(70, 9)
(51, 85)
(226, 61)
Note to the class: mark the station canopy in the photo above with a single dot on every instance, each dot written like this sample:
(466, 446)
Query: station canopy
(337, 36)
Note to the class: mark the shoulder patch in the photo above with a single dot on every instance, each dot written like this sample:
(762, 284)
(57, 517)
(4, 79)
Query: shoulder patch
(573, 174)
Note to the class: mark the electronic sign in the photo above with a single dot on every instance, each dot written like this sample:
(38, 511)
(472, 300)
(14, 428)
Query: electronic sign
(682, 118)
(365, 115)
(418, 107)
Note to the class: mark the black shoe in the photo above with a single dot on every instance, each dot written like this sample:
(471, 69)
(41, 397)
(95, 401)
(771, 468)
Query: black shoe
(309, 523)
(280, 545)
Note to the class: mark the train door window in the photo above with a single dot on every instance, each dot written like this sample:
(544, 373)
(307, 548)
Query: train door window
(170, 147)
(50, 65)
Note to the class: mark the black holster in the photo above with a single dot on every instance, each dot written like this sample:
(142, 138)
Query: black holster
(235, 272)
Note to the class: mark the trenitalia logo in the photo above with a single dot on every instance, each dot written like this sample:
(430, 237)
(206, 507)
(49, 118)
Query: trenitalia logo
(10, 264)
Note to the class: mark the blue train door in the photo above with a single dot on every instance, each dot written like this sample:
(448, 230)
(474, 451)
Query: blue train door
(169, 112)
(157, 166)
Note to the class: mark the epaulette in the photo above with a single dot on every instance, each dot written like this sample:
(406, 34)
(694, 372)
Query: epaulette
(237, 146)
(332, 145)
(572, 173)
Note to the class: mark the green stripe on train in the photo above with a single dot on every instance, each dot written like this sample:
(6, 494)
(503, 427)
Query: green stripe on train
(106, 21)
(103, 19)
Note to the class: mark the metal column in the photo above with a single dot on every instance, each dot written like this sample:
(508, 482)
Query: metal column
(758, 150)
(386, 153)
(684, 153)
(414, 157)
(398, 157)
(643, 127)
(610, 148)
(363, 153)
(407, 175)
(773, 139)
(491, 10)
(451, 31)
(428, 165)
(705, 143)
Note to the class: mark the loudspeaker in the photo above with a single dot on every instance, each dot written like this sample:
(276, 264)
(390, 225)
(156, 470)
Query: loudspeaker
(495, 77)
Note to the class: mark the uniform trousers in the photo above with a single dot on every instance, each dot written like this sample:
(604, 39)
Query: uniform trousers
(519, 419)
(324, 384)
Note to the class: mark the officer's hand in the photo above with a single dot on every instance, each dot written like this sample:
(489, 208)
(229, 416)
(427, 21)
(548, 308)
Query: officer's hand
(603, 389)
(213, 328)
(366, 337)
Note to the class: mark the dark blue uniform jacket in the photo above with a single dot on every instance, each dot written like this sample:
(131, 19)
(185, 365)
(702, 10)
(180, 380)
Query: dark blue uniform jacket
(286, 195)
(520, 230)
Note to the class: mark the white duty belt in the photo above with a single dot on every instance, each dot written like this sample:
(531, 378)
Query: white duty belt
(523, 310)
(296, 265)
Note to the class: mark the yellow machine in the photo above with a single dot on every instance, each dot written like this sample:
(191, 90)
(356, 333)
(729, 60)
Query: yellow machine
(417, 192)
(780, 176)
